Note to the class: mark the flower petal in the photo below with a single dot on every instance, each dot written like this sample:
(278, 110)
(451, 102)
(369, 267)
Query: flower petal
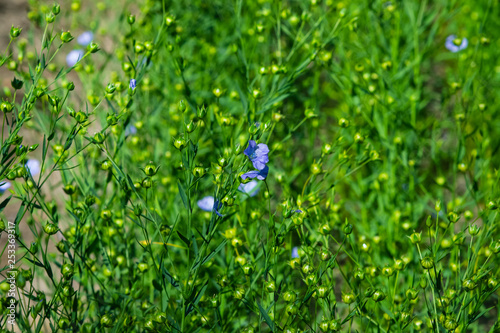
(206, 203)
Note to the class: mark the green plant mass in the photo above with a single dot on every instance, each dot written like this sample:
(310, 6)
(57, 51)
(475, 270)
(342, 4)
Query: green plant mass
(250, 166)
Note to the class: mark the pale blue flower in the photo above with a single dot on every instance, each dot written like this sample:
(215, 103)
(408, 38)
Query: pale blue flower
(4, 186)
(133, 84)
(209, 204)
(73, 57)
(295, 252)
(33, 166)
(451, 46)
(258, 154)
(259, 174)
(85, 38)
(249, 188)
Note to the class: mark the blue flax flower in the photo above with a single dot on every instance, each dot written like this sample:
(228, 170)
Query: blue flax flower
(209, 204)
(133, 84)
(259, 174)
(451, 46)
(295, 252)
(249, 188)
(85, 38)
(258, 154)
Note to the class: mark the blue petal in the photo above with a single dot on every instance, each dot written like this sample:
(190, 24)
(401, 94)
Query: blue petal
(252, 146)
(249, 188)
(261, 175)
(207, 203)
(295, 252)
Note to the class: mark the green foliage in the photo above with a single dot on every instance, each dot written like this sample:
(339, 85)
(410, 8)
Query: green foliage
(379, 212)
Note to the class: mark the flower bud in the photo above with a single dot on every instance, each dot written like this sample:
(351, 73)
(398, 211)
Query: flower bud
(15, 32)
(347, 228)
(66, 37)
(495, 246)
(437, 206)
(474, 230)
(17, 84)
(131, 19)
(93, 47)
(50, 17)
(416, 237)
(56, 9)
(99, 138)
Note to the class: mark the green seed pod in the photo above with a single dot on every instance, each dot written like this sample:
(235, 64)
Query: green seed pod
(378, 295)
(180, 143)
(239, 293)
(198, 172)
(492, 283)
(270, 286)
(99, 138)
(387, 271)
(247, 269)
(160, 317)
(6, 107)
(289, 296)
(69, 189)
(63, 323)
(469, 285)
(347, 228)
(427, 262)
(325, 229)
(291, 309)
(411, 293)
(423, 282)
(107, 320)
(106, 165)
(416, 238)
(67, 271)
(348, 298)
(142, 267)
(106, 214)
(50, 228)
(322, 292)
(311, 280)
(240, 261)
(335, 325)
(495, 246)
(325, 255)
